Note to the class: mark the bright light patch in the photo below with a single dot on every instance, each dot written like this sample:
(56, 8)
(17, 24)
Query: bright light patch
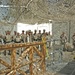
(26, 27)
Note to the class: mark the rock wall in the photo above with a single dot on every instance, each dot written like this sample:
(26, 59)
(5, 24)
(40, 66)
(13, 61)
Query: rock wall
(4, 28)
(59, 26)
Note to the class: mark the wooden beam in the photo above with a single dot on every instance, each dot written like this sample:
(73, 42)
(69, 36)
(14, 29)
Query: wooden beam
(37, 51)
(43, 62)
(11, 46)
(31, 59)
(23, 55)
(4, 63)
(28, 62)
(13, 61)
(3, 71)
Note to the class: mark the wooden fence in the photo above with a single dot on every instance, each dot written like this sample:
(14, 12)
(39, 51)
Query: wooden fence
(15, 65)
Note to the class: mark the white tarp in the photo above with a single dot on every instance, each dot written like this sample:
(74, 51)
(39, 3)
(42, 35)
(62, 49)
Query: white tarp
(26, 27)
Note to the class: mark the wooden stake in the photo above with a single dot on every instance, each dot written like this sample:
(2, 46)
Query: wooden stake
(31, 59)
(13, 61)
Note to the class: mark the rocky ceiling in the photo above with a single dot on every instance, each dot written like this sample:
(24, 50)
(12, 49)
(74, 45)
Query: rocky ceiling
(36, 11)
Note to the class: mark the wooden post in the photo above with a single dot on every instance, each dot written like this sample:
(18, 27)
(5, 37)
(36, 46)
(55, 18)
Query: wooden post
(13, 60)
(31, 59)
(44, 55)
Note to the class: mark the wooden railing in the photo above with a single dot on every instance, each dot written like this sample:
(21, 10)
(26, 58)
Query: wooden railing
(29, 48)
